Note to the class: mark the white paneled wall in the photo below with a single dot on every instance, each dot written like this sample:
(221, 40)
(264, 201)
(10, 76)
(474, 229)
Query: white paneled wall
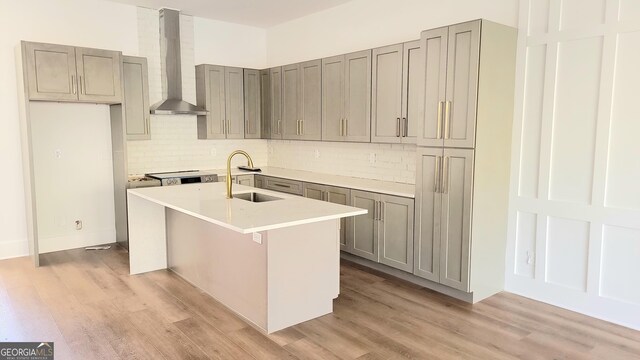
(374, 161)
(574, 233)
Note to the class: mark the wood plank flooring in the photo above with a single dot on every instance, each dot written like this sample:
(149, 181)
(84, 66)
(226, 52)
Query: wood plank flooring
(92, 309)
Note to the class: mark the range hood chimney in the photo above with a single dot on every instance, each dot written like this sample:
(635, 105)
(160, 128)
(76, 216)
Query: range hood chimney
(171, 70)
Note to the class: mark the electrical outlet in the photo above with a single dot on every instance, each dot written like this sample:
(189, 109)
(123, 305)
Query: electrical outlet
(57, 153)
(213, 152)
(529, 258)
(317, 154)
(372, 158)
(257, 237)
(78, 224)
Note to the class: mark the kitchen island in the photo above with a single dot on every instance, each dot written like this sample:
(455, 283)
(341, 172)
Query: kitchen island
(270, 257)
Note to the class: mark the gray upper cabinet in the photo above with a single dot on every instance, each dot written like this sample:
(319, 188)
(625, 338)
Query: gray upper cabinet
(66, 73)
(301, 101)
(210, 94)
(234, 102)
(443, 216)
(452, 61)
(395, 232)
(136, 97)
(275, 81)
(220, 90)
(98, 75)
(397, 93)
(252, 101)
(336, 195)
(346, 97)
(265, 104)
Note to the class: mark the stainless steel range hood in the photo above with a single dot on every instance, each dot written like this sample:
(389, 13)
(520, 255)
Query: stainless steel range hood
(172, 102)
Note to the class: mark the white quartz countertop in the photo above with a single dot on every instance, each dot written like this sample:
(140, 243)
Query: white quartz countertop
(378, 186)
(207, 201)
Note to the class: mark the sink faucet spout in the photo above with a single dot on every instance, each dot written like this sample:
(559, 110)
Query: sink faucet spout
(229, 195)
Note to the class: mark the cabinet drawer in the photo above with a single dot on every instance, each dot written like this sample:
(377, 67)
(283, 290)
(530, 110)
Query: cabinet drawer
(282, 185)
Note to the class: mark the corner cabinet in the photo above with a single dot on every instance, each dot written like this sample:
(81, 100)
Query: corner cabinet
(462, 178)
(136, 97)
(397, 93)
(301, 101)
(385, 233)
(66, 73)
(220, 90)
(332, 194)
(265, 105)
(346, 97)
(275, 95)
(252, 106)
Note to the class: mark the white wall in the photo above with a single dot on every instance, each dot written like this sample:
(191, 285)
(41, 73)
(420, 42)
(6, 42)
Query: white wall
(574, 236)
(364, 24)
(97, 24)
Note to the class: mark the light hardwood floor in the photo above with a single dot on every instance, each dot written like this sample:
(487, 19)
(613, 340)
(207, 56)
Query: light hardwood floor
(92, 309)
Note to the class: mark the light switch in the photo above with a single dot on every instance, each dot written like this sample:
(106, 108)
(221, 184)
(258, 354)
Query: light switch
(257, 237)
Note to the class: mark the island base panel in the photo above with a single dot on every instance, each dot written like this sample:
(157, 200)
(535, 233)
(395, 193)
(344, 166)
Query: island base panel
(290, 277)
(146, 222)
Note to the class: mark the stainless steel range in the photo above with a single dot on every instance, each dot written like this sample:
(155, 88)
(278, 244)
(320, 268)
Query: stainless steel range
(184, 177)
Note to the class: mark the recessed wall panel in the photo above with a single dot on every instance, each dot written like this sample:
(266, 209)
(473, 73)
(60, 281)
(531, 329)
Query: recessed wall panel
(567, 253)
(538, 17)
(620, 274)
(623, 171)
(629, 12)
(532, 121)
(574, 122)
(581, 13)
(526, 244)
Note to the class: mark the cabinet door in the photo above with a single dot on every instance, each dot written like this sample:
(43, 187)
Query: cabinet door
(234, 102)
(211, 95)
(426, 262)
(265, 104)
(395, 232)
(357, 78)
(51, 71)
(136, 97)
(252, 111)
(246, 180)
(434, 45)
(98, 75)
(386, 94)
(314, 191)
(333, 98)
(455, 232)
(462, 85)
(342, 196)
(412, 90)
(276, 102)
(258, 181)
(290, 101)
(362, 239)
(310, 105)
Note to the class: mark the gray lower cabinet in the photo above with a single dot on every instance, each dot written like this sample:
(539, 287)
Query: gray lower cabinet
(397, 93)
(443, 216)
(265, 104)
(346, 97)
(247, 180)
(220, 90)
(275, 84)
(136, 97)
(252, 104)
(332, 194)
(258, 181)
(385, 233)
(283, 185)
(66, 73)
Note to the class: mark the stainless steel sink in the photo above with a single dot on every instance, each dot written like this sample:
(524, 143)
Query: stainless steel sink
(255, 197)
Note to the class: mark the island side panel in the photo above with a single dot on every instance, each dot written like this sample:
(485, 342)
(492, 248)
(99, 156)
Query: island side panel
(227, 265)
(147, 235)
(304, 272)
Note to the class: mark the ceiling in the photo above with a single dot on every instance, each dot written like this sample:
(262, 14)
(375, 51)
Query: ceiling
(259, 13)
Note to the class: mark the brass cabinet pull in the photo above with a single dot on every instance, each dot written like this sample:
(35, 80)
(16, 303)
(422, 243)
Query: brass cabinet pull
(81, 85)
(445, 175)
(447, 115)
(406, 126)
(73, 84)
(439, 129)
(279, 127)
(397, 127)
(301, 127)
(436, 178)
(381, 216)
(346, 127)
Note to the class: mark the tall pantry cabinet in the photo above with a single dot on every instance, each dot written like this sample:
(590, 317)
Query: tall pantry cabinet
(462, 178)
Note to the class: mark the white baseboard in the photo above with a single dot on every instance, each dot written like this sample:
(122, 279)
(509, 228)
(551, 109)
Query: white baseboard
(13, 249)
(83, 239)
